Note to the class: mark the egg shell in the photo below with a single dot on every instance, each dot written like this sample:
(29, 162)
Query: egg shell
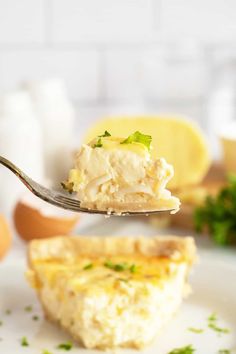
(30, 223)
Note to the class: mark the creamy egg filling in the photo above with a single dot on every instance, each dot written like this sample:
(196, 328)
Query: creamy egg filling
(107, 170)
(110, 303)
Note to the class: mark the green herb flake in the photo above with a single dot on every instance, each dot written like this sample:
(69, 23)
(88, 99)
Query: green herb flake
(45, 351)
(212, 317)
(217, 329)
(106, 133)
(35, 318)
(133, 268)
(8, 312)
(224, 351)
(118, 267)
(218, 214)
(98, 143)
(28, 308)
(212, 324)
(109, 264)
(196, 330)
(184, 350)
(88, 266)
(65, 346)
(24, 342)
(138, 137)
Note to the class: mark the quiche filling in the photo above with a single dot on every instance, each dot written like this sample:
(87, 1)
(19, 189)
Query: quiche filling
(119, 174)
(110, 300)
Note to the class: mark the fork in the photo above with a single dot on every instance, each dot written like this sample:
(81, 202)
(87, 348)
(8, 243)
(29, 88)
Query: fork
(61, 200)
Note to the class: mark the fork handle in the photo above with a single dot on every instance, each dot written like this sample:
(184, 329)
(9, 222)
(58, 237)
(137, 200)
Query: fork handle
(13, 168)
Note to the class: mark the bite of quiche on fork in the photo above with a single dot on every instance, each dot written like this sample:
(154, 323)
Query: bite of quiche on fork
(111, 291)
(119, 175)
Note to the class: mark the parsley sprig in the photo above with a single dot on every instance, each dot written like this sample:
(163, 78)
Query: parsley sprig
(218, 214)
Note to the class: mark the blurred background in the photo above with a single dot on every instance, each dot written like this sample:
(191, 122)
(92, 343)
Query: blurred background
(127, 56)
(64, 64)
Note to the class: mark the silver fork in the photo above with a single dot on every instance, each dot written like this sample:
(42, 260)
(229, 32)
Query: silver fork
(61, 199)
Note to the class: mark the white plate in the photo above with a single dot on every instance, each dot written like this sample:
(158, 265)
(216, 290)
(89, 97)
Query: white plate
(214, 285)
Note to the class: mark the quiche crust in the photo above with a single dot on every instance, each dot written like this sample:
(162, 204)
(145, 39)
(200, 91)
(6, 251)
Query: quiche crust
(62, 248)
(123, 207)
(114, 309)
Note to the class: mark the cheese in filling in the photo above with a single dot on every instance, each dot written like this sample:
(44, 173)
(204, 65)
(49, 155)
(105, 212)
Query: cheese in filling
(104, 303)
(111, 174)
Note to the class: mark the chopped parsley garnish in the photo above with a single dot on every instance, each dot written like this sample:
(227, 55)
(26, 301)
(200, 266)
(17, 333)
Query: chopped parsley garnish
(98, 143)
(212, 324)
(35, 318)
(224, 351)
(106, 133)
(88, 266)
(184, 350)
(65, 346)
(28, 308)
(45, 351)
(138, 137)
(120, 267)
(196, 330)
(8, 312)
(133, 268)
(218, 214)
(24, 342)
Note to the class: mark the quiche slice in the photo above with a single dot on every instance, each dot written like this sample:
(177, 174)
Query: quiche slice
(111, 291)
(117, 174)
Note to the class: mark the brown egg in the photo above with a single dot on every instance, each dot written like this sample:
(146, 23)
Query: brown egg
(32, 222)
(5, 237)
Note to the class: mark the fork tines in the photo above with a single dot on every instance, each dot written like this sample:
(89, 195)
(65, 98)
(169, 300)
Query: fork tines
(68, 201)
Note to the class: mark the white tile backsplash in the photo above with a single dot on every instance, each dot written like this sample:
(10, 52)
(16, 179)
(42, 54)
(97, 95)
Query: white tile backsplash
(130, 54)
(78, 68)
(101, 21)
(173, 77)
(124, 74)
(205, 20)
(21, 21)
